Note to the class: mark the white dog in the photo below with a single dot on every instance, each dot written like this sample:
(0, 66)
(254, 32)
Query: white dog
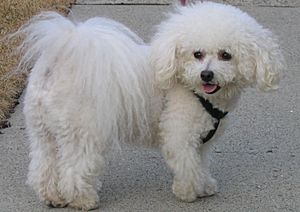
(95, 84)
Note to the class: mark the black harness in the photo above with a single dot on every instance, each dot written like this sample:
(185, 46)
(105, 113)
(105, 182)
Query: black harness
(214, 112)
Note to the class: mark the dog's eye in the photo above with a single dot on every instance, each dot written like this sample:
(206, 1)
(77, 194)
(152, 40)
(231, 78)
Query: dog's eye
(223, 55)
(198, 55)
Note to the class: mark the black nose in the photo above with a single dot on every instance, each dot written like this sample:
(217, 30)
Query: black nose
(207, 76)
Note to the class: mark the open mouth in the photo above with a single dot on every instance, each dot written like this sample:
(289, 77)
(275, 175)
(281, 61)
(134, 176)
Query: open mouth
(210, 88)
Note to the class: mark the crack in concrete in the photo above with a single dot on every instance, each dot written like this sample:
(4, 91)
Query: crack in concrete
(261, 3)
(123, 4)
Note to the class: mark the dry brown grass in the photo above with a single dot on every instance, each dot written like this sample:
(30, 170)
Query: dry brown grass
(14, 13)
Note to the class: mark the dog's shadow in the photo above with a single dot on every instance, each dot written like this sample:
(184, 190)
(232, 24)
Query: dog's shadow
(140, 177)
(134, 173)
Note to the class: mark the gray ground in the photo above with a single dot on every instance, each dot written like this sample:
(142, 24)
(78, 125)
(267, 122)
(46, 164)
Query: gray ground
(256, 161)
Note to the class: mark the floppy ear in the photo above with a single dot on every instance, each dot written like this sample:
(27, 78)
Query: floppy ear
(163, 60)
(262, 60)
(269, 62)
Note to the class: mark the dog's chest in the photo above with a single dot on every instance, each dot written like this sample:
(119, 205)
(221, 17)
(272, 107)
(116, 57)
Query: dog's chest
(183, 114)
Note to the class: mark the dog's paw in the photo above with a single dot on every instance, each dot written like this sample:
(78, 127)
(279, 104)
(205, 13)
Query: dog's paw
(210, 188)
(189, 192)
(55, 202)
(85, 203)
(51, 197)
(184, 191)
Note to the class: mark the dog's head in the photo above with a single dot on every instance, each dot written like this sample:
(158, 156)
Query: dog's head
(215, 49)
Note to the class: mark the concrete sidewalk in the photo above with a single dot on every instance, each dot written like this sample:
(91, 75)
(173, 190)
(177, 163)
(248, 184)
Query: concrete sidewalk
(256, 161)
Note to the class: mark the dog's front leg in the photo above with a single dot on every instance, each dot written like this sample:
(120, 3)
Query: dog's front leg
(181, 147)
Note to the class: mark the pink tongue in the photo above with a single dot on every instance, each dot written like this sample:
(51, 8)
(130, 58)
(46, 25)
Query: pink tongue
(209, 88)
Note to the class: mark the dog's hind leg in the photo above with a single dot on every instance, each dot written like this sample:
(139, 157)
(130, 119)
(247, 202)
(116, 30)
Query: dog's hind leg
(80, 163)
(42, 175)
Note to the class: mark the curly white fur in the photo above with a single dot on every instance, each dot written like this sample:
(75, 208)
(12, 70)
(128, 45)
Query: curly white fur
(95, 83)
(207, 27)
(90, 86)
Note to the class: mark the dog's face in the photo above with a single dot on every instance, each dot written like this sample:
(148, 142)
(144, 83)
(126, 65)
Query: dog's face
(215, 50)
(209, 70)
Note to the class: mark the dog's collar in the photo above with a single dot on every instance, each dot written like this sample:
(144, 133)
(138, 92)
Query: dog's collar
(214, 112)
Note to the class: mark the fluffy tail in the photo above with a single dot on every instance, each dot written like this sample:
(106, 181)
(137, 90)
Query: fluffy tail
(106, 61)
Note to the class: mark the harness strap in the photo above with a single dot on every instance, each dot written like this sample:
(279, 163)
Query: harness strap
(214, 112)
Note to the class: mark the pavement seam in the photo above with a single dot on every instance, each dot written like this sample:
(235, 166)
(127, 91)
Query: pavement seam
(124, 4)
(169, 4)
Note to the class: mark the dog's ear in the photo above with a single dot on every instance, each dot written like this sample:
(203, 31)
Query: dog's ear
(163, 60)
(262, 60)
(269, 62)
